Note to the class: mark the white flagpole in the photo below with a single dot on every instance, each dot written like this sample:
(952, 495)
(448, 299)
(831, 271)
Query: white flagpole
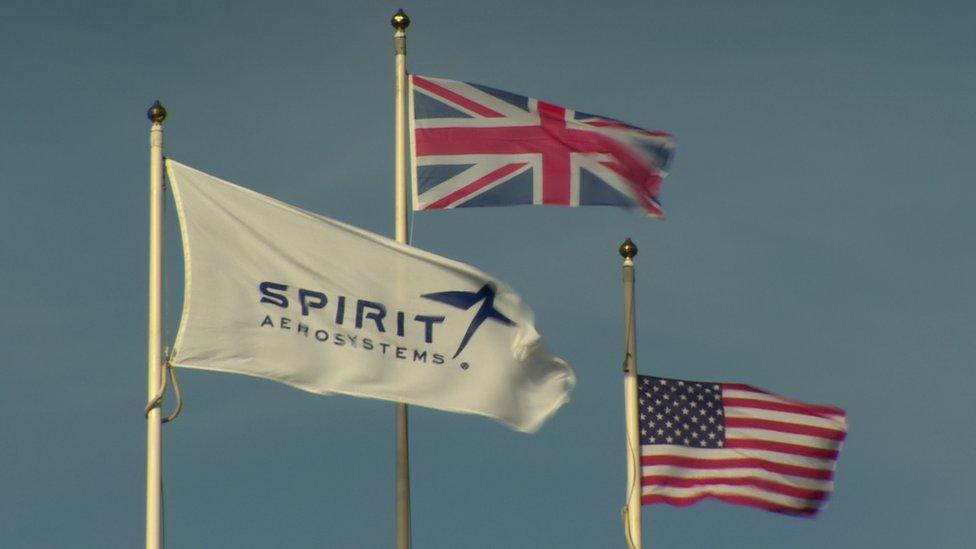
(632, 518)
(154, 427)
(400, 23)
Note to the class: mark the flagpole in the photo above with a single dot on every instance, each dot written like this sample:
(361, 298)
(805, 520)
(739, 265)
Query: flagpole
(154, 427)
(400, 23)
(632, 518)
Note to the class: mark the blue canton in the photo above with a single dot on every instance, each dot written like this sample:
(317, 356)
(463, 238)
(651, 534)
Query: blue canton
(678, 412)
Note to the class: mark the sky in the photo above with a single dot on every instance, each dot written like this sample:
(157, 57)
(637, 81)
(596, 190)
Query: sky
(818, 244)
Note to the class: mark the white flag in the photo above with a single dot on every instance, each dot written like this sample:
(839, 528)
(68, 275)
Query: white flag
(280, 293)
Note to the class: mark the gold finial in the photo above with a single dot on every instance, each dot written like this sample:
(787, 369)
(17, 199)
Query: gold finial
(628, 249)
(156, 113)
(400, 20)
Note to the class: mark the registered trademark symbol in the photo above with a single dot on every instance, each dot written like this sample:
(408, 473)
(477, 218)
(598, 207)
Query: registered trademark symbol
(465, 365)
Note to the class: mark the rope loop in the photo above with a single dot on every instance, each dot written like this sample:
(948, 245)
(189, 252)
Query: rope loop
(168, 371)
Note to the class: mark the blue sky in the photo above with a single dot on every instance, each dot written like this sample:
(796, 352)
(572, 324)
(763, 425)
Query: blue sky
(818, 245)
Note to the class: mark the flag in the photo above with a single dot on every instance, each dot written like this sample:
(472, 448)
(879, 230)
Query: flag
(280, 293)
(735, 443)
(472, 145)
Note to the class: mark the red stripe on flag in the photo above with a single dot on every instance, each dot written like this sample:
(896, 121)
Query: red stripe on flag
(784, 427)
(758, 482)
(425, 84)
(792, 408)
(649, 499)
(738, 463)
(819, 408)
(502, 140)
(783, 447)
(744, 387)
(607, 123)
(556, 168)
(480, 183)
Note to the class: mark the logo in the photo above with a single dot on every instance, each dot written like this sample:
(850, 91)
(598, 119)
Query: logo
(348, 321)
(466, 300)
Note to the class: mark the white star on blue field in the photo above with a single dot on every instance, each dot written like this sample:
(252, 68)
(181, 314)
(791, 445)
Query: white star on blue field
(818, 244)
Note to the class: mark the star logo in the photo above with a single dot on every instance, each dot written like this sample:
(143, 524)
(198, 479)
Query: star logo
(466, 300)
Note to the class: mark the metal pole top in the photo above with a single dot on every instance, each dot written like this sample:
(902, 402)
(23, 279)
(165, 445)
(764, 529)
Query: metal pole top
(156, 113)
(628, 249)
(400, 20)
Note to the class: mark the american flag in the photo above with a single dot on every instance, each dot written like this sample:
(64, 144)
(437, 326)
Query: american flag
(478, 146)
(737, 444)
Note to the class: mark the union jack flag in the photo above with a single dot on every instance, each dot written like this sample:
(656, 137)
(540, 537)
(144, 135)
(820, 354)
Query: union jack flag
(472, 145)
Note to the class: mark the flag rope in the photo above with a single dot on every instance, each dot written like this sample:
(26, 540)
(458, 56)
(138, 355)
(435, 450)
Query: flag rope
(411, 224)
(169, 370)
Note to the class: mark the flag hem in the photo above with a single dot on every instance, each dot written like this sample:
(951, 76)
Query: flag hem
(527, 428)
(184, 239)
(411, 128)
